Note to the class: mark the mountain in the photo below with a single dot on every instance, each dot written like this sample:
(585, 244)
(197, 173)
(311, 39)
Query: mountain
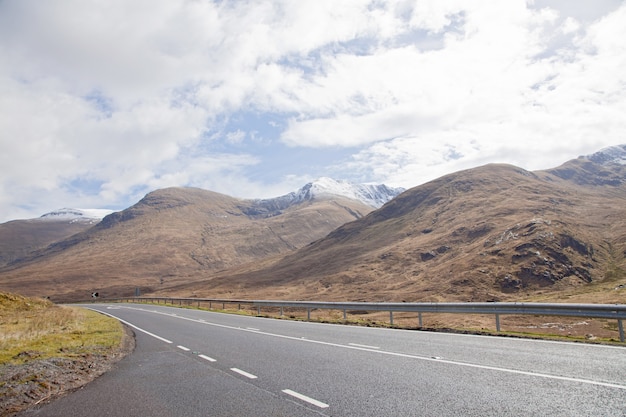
(90, 216)
(610, 156)
(492, 233)
(19, 238)
(369, 194)
(180, 234)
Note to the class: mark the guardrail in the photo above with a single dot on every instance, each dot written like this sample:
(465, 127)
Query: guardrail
(605, 311)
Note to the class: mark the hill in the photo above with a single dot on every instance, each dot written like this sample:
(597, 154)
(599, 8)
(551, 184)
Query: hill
(20, 238)
(176, 235)
(492, 233)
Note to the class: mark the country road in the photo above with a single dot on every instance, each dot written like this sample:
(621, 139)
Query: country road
(198, 363)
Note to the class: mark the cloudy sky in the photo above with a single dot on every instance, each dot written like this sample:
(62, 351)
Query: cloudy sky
(104, 101)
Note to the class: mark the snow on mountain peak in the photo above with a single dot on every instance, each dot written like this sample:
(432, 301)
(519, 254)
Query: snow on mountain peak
(73, 215)
(611, 155)
(370, 194)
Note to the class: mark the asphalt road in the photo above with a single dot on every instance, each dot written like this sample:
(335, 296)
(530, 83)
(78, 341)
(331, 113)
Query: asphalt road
(196, 363)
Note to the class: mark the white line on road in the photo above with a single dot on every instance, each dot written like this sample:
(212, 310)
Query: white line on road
(244, 373)
(363, 346)
(208, 358)
(252, 328)
(135, 327)
(186, 349)
(404, 355)
(305, 398)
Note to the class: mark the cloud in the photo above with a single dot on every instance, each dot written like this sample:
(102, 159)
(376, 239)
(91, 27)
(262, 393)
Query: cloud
(501, 87)
(103, 101)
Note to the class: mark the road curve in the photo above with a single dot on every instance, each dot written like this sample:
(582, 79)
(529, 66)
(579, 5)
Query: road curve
(198, 363)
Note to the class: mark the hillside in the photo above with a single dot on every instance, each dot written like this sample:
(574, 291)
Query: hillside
(492, 233)
(19, 238)
(171, 236)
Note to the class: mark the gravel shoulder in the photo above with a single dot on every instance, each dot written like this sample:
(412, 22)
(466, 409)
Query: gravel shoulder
(42, 381)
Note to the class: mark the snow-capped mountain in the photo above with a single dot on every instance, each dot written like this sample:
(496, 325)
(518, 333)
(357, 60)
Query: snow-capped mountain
(76, 215)
(611, 155)
(374, 195)
(369, 194)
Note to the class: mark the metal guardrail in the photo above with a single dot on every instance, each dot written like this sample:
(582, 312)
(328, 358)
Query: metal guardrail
(605, 311)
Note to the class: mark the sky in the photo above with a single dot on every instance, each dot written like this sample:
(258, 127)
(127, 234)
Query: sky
(103, 101)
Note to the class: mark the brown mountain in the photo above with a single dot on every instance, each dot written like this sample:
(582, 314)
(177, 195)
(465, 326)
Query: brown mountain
(492, 233)
(20, 238)
(496, 232)
(175, 235)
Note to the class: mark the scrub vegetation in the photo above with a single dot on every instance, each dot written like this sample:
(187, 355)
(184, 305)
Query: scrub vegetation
(47, 349)
(35, 328)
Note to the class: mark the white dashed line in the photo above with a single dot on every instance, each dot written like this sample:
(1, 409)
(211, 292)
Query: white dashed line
(208, 358)
(252, 328)
(397, 354)
(244, 373)
(305, 398)
(186, 349)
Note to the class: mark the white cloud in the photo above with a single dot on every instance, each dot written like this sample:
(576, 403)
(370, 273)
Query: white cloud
(489, 87)
(103, 101)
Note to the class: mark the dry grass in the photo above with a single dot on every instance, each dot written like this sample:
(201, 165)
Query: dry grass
(38, 329)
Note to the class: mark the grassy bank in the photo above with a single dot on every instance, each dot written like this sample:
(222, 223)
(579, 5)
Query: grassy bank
(47, 350)
(33, 328)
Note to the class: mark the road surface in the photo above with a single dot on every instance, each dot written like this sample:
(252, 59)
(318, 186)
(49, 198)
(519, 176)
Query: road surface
(198, 363)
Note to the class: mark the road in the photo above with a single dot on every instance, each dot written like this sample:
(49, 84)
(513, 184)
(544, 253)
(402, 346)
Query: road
(198, 363)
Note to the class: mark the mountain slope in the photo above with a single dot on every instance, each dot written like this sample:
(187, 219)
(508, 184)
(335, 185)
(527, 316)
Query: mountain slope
(19, 238)
(495, 232)
(174, 235)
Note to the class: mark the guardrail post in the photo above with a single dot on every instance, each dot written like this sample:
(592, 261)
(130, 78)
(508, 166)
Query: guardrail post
(281, 311)
(620, 326)
(344, 314)
(391, 317)
(419, 318)
(258, 311)
(308, 314)
(497, 322)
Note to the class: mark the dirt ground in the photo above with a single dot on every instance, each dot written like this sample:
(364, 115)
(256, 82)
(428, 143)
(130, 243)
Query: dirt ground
(41, 381)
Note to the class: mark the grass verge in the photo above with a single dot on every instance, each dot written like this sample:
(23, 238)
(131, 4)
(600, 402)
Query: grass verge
(47, 350)
(37, 329)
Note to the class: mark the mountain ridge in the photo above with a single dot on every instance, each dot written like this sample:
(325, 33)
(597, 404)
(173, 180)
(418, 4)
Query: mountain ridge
(490, 233)
(170, 235)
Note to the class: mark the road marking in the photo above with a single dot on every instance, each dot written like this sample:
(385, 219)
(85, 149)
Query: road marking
(363, 346)
(244, 373)
(252, 328)
(208, 358)
(186, 349)
(136, 327)
(397, 354)
(305, 398)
